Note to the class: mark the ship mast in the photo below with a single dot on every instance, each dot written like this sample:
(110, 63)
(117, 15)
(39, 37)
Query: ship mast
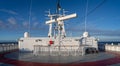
(85, 34)
(86, 10)
(29, 19)
(58, 19)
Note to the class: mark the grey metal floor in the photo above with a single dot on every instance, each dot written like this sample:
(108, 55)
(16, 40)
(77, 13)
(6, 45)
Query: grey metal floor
(118, 64)
(2, 64)
(59, 59)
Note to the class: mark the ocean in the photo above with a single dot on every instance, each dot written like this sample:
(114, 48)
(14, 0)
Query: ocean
(8, 42)
(99, 43)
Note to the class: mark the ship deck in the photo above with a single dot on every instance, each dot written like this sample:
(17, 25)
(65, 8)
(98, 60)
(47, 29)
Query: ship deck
(15, 58)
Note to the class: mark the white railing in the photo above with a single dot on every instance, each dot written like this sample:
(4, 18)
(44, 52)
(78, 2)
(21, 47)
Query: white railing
(8, 47)
(112, 47)
(55, 51)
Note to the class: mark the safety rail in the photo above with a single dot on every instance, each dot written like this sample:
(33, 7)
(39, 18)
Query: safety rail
(55, 50)
(8, 47)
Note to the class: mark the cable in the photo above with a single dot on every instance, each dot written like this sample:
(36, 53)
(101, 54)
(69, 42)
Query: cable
(91, 11)
(96, 7)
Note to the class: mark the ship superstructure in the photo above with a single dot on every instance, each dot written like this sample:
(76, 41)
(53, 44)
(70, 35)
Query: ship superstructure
(57, 42)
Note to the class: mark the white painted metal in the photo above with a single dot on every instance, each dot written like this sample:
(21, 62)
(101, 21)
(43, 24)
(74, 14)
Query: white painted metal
(68, 44)
(62, 18)
(61, 46)
(112, 47)
(63, 30)
(50, 30)
(26, 35)
(85, 34)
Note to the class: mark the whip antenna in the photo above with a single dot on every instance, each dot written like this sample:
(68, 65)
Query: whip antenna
(30, 16)
(86, 10)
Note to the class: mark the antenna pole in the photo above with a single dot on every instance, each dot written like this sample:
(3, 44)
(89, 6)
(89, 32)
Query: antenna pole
(86, 10)
(59, 25)
(30, 16)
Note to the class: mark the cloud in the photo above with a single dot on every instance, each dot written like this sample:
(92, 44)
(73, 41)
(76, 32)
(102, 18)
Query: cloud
(2, 25)
(107, 32)
(12, 20)
(25, 24)
(35, 24)
(34, 18)
(9, 11)
(94, 31)
(1, 22)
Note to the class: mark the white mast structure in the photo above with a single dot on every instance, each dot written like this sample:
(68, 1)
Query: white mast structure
(58, 19)
(86, 34)
(60, 23)
(50, 25)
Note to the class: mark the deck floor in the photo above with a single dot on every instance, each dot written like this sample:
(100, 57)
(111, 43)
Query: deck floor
(113, 60)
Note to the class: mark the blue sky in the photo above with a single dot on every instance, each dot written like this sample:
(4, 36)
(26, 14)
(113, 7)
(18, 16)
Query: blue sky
(103, 22)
